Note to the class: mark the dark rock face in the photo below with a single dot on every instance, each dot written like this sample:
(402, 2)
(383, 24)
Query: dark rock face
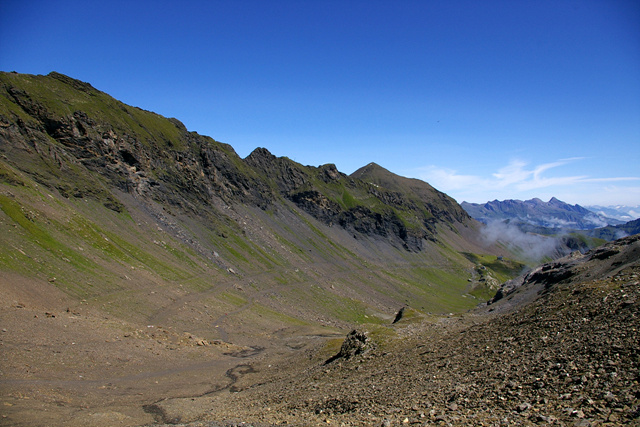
(363, 220)
(317, 205)
(399, 315)
(550, 274)
(330, 173)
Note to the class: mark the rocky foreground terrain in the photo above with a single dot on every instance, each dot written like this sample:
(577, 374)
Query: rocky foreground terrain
(569, 357)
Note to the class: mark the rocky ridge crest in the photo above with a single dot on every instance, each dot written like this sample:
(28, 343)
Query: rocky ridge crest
(67, 122)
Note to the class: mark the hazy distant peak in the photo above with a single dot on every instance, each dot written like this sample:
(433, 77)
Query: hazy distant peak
(554, 214)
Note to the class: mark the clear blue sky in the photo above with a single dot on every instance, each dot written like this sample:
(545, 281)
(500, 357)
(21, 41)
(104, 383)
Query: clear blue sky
(483, 99)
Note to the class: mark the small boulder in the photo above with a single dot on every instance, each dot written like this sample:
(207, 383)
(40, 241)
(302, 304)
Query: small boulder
(399, 315)
(357, 342)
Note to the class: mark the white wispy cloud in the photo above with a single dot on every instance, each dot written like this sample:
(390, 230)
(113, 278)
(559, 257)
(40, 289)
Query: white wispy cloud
(448, 179)
(523, 178)
(515, 178)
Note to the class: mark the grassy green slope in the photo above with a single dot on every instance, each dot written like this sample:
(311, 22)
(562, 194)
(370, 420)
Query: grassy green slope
(61, 96)
(214, 267)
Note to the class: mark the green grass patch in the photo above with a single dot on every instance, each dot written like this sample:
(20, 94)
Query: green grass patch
(9, 176)
(336, 306)
(277, 315)
(432, 289)
(348, 201)
(482, 292)
(503, 269)
(26, 219)
(232, 298)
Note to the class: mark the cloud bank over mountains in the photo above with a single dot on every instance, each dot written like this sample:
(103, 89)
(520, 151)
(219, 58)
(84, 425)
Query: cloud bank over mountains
(522, 180)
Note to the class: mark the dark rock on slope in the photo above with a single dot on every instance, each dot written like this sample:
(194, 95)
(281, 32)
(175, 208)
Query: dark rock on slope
(355, 344)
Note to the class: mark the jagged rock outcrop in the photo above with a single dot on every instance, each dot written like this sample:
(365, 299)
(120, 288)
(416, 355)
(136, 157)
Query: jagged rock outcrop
(284, 173)
(317, 204)
(356, 343)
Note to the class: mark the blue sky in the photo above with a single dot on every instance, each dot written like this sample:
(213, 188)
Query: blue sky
(482, 99)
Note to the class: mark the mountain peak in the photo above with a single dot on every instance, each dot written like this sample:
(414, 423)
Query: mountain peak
(368, 170)
(555, 202)
(261, 152)
(437, 203)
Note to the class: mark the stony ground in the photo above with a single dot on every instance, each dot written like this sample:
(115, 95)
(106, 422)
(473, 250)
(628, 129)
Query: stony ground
(66, 364)
(569, 358)
(567, 354)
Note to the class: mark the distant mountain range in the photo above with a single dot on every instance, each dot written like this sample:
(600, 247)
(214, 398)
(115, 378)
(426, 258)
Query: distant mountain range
(556, 216)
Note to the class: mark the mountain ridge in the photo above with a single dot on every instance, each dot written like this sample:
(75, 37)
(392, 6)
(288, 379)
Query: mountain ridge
(75, 146)
(200, 167)
(576, 227)
(619, 212)
(554, 214)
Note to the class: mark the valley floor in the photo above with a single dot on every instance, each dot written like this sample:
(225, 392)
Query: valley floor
(570, 358)
(65, 364)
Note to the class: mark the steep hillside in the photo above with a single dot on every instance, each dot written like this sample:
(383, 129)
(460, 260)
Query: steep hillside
(602, 262)
(97, 186)
(149, 274)
(613, 232)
